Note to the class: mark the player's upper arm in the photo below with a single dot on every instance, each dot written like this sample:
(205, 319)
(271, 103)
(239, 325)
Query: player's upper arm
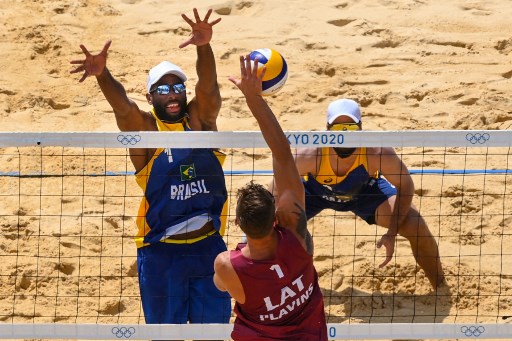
(133, 119)
(291, 214)
(305, 163)
(225, 277)
(290, 205)
(204, 109)
(394, 170)
(220, 267)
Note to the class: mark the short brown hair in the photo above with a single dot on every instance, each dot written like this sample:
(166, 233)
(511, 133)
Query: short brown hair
(255, 210)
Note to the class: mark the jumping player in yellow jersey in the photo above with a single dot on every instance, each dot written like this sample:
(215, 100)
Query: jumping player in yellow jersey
(373, 183)
(180, 216)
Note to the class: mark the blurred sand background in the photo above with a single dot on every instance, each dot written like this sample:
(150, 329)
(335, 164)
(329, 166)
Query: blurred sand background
(66, 253)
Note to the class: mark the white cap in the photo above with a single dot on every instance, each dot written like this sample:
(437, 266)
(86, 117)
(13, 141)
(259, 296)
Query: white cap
(162, 69)
(343, 107)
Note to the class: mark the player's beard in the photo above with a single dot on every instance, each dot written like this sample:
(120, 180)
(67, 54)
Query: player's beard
(162, 114)
(344, 152)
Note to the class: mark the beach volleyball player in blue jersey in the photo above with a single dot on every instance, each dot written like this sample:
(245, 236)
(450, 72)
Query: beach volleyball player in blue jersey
(373, 183)
(180, 219)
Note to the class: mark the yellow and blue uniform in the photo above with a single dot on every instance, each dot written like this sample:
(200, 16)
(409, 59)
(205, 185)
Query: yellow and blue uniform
(184, 189)
(356, 191)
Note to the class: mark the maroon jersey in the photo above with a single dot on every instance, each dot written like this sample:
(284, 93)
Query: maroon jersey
(283, 300)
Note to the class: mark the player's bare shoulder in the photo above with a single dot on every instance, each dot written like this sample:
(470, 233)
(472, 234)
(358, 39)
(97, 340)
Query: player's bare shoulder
(377, 153)
(308, 160)
(223, 270)
(307, 152)
(374, 158)
(223, 261)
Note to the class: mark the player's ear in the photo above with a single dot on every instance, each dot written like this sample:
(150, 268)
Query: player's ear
(148, 98)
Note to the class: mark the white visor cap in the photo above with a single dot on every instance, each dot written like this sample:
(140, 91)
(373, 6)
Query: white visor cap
(162, 69)
(343, 107)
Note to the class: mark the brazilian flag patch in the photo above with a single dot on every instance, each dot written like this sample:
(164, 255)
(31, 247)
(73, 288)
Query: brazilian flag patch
(188, 172)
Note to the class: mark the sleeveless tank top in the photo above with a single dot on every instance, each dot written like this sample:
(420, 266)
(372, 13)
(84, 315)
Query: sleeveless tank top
(183, 190)
(283, 298)
(342, 187)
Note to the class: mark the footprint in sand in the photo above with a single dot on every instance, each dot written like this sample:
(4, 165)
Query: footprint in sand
(507, 75)
(469, 101)
(65, 268)
(504, 46)
(112, 307)
(233, 51)
(235, 8)
(459, 44)
(476, 9)
(340, 22)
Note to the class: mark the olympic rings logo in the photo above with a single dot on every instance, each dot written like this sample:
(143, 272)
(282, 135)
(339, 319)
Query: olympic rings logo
(128, 139)
(472, 330)
(478, 138)
(125, 332)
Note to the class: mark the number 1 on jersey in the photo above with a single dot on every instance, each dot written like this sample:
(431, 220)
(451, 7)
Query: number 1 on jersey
(277, 269)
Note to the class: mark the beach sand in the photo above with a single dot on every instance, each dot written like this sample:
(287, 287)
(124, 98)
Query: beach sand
(65, 242)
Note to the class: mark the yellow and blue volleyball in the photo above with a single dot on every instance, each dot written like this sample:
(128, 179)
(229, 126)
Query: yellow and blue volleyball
(277, 70)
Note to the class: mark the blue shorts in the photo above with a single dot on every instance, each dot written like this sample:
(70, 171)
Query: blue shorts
(364, 204)
(176, 283)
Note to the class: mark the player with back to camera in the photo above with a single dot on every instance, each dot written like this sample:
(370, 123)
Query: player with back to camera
(272, 276)
(179, 216)
(373, 183)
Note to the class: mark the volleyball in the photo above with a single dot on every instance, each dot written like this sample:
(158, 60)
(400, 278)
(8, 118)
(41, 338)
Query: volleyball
(277, 70)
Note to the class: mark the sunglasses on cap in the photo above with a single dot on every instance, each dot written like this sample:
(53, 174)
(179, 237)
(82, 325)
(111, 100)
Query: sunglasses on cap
(345, 127)
(165, 89)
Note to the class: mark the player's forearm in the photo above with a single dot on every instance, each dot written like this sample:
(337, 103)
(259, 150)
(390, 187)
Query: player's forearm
(285, 172)
(270, 128)
(403, 204)
(114, 92)
(206, 69)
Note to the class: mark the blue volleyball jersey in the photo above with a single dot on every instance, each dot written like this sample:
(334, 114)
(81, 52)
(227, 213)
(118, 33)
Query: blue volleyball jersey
(183, 190)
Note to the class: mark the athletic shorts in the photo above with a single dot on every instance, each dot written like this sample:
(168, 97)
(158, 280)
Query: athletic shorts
(363, 204)
(176, 283)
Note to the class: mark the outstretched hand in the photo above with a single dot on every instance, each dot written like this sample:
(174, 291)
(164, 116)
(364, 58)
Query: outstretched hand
(388, 241)
(250, 82)
(92, 65)
(201, 29)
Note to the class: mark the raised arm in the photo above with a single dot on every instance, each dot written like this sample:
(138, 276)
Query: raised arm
(290, 204)
(205, 106)
(128, 114)
(307, 161)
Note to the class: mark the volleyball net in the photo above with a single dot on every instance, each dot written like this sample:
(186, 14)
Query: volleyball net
(69, 202)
